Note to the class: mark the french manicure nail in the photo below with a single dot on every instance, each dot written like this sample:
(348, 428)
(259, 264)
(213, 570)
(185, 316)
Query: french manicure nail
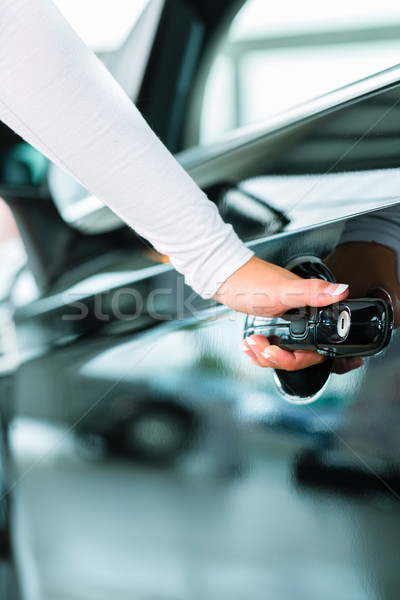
(269, 357)
(250, 341)
(244, 348)
(342, 287)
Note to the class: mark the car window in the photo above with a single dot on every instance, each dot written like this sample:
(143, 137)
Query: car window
(330, 165)
(274, 56)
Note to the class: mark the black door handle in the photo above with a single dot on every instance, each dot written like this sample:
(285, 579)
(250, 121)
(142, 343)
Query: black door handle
(359, 327)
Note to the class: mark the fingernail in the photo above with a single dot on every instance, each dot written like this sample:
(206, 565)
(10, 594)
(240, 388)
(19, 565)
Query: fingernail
(342, 287)
(269, 357)
(244, 348)
(250, 341)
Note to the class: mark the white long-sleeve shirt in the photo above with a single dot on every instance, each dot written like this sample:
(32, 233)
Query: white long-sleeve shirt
(58, 96)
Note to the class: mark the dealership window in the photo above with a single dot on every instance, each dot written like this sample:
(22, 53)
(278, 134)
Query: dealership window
(277, 55)
(103, 25)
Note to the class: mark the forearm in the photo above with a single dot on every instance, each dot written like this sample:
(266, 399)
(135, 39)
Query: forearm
(58, 96)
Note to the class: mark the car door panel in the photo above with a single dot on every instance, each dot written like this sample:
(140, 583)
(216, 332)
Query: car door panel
(151, 456)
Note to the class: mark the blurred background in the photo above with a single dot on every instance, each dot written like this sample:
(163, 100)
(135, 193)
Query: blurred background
(155, 511)
(277, 55)
(273, 56)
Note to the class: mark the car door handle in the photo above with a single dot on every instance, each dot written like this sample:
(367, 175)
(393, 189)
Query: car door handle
(359, 327)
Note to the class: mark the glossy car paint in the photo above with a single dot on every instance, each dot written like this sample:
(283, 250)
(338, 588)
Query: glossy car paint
(261, 499)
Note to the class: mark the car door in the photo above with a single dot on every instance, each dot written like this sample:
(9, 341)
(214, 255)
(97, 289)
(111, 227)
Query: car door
(262, 494)
(262, 497)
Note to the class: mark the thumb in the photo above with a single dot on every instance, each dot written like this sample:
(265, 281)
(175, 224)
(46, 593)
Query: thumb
(312, 292)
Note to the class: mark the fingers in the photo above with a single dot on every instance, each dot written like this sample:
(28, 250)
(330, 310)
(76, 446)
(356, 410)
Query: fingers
(244, 346)
(291, 361)
(286, 295)
(264, 354)
(316, 292)
(254, 347)
(263, 289)
(259, 349)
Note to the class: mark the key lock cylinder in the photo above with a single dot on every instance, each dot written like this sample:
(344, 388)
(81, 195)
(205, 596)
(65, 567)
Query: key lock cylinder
(357, 327)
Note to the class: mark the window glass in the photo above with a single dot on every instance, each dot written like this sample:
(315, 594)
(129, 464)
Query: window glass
(277, 55)
(339, 163)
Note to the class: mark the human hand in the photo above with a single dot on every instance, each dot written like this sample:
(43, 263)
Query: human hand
(262, 289)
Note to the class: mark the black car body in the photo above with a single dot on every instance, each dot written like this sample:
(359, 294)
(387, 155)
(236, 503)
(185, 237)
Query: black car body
(241, 493)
